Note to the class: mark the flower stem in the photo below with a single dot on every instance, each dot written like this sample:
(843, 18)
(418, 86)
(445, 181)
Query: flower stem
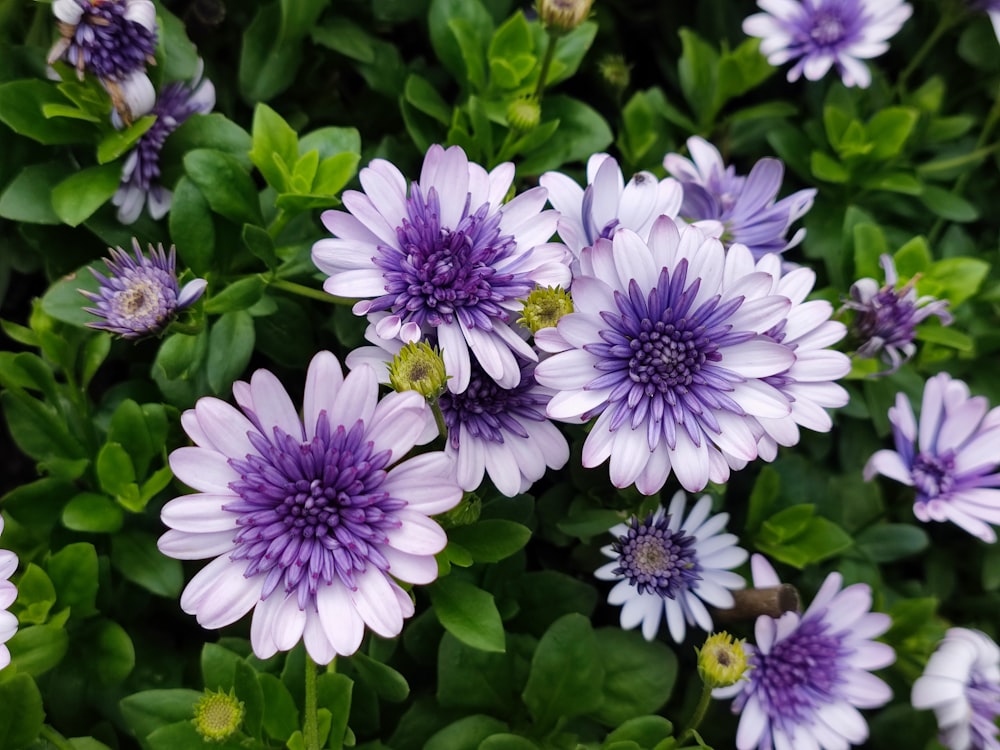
(308, 291)
(698, 715)
(550, 53)
(944, 23)
(310, 728)
(53, 737)
(279, 223)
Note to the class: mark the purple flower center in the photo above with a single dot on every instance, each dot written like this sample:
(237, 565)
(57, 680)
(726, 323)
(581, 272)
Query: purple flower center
(825, 29)
(311, 511)
(486, 410)
(828, 28)
(660, 357)
(801, 673)
(653, 558)
(440, 273)
(984, 699)
(890, 317)
(107, 43)
(933, 475)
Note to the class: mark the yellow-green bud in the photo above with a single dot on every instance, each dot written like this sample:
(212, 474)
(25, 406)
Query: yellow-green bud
(563, 15)
(524, 114)
(721, 661)
(218, 716)
(615, 71)
(418, 367)
(544, 307)
(465, 513)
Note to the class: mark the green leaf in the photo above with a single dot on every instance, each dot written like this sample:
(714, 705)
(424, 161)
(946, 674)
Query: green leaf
(646, 731)
(259, 242)
(507, 741)
(230, 346)
(213, 131)
(129, 429)
(268, 62)
(788, 523)
(225, 184)
(36, 649)
(889, 130)
(571, 48)
(334, 172)
(546, 595)
(218, 667)
(110, 653)
(333, 693)
(191, 227)
(182, 734)
(240, 295)
(912, 258)
(582, 132)
(273, 137)
(298, 17)
(135, 555)
(466, 733)
(869, 245)
(117, 142)
(468, 613)
(250, 693)
(474, 680)
(114, 469)
(698, 68)
(149, 710)
(35, 595)
(28, 197)
(21, 712)
(425, 98)
(387, 682)
(37, 429)
(887, 542)
(566, 673)
(344, 36)
(21, 104)
(91, 512)
(639, 675)
(954, 279)
(281, 717)
(953, 339)
(825, 167)
(491, 540)
(948, 205)
(74, 571)
(476, 27)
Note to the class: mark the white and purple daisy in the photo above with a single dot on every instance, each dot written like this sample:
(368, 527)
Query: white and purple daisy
(8, 593)
(811, 672)
(140, 297)
(961, 683)
(668, 349)
(607, 203)
(140, 183)
(114, 40)
(312, 519)
(744, 209)
(446, 257)
(824, 34)
(671, 566)
(886, 318)
(951, 461)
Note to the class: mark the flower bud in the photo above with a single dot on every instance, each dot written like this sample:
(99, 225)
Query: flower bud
(218, 715)
(418, 367)
(721, 661)
(615, 71)
(563, 15)
(544, 307)
(524, 114)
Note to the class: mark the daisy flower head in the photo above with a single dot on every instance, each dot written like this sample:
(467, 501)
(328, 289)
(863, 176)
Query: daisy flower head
(445, 257)
(140, 184)
(961, 683)
(608, 202)
(113, 40)
(950, 457)
(743, 209)
(823, 34)
(310, 520)
(670, 566)
(8, 593)
(811, 672)
(886, 317)
(140, 296)
(668, 350)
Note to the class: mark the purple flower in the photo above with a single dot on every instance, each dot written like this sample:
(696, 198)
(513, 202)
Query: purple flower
(669, 351)
(446, 258)
(820, 34)
(310, 520)
(808, 382)
(887, 317)
(952, 461)
(8, 593)
(992, 9)
(744, 208)
(140, 297)
(810, 673)
(502, 432)
(961, 683)
(671, 565)
(140, 184)
(114, 40)
(607, 203)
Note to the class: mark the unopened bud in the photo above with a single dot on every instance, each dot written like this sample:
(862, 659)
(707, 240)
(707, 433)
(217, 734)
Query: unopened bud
(418, 367)
(721, 661)
(524, 114)
(544, 307)
(218, 715)
(563, 15)
(615, 71)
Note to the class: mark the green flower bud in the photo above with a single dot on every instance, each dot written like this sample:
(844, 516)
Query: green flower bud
(615, 71)
(524, 114)
(418, 367)
(563, 15)
(721, 661)
(544, 307)
(218, 716)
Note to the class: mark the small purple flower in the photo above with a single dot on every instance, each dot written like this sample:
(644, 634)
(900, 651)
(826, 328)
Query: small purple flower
(820, 34)
(502, 432)
(961, 683)
(8, 593)
(140, 184)
(114, 40)
(671, 566)
(887, 317)
(810, 673)
(607, 203)
(668, 349)
(744, 208)
(951, 461)
(446, 258)
(311, 520)
(141, 296)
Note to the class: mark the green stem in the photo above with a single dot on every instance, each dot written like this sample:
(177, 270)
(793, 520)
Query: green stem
(308, 291)
(550, 53)
(439, 419)
(698, 715)
(53, 737)
(279, 223)
(310, 728)
(944, 23)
